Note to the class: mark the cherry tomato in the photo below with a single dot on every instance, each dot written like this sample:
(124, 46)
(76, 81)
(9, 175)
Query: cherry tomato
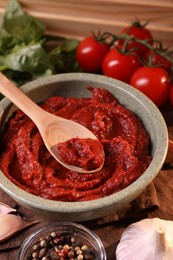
(119, 65)
(155, 59)
(153, 82)
(90, 54)
(171, 95)
(139, 31)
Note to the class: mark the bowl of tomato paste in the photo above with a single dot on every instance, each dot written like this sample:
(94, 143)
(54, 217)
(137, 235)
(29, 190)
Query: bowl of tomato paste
(129, 126)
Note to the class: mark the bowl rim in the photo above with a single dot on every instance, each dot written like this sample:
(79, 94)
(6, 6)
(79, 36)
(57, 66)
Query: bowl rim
(133, 189)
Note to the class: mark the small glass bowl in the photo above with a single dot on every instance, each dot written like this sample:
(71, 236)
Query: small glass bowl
(63, 239)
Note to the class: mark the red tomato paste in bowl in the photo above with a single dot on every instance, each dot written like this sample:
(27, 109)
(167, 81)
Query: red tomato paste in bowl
(25, 160)
(82, 152)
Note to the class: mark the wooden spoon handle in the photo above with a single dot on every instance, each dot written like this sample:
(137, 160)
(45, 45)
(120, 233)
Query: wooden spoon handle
(14, 94)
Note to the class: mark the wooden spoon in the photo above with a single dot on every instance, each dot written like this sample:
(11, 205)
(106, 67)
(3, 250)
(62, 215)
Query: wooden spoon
(53, 129)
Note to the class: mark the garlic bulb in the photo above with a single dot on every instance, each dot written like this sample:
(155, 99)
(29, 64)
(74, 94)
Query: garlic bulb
(148, 239)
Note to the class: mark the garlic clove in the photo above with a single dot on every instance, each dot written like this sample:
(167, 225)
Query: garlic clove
(147, 239)
(168, 240)
(5, 209)
(12, 224)
(168, 255)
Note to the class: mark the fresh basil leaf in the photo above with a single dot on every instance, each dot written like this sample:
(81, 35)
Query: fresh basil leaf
(13, 9)
(7, 41)
(24, 47)
(25, 28)
(63, 57)
(20, 25)
(30, 58)
(36, 75)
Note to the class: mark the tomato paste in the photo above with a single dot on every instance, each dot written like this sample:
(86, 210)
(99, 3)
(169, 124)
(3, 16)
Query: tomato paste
(25, 160)
(82, 152)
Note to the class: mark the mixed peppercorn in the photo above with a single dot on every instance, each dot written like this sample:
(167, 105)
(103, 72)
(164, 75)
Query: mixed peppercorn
(58, 246)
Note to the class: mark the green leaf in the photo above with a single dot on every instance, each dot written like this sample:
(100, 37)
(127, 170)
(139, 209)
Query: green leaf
(63, 57)
(45, 73)
(12, 10)
(7, 41)
(30, 58)
(25, 28)
(21, 26)
(24, 47)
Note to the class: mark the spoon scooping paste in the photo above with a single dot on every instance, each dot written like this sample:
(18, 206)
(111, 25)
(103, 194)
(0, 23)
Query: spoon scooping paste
(82, 152)
(54, 129)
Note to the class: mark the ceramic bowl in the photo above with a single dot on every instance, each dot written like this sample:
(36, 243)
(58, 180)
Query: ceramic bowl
(73, 85)
(63, 238)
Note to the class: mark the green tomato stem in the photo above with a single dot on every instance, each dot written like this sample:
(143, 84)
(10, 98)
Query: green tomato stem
(128, 38)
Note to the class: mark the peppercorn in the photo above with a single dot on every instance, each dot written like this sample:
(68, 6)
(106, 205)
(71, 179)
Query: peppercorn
(34, 254)
(56, 240)
(80, 257)
(35, 247)
(84, 247)
(53, 234)
(64, 246)
(90, 254)
(70, 253)
(43, 252)
(48, 238)
(53, 255)
(78, 243)
(43, 243)
(79, 252)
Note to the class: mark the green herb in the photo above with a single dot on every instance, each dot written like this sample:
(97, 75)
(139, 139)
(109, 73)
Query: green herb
(24, 55)
(63, 57)
(22, 27)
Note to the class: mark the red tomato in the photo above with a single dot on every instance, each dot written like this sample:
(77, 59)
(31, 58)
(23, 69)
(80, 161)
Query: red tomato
(119, 65)
(171, 95)
(153, 82)
(90, 54)
(140, 32)
(158, 60)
